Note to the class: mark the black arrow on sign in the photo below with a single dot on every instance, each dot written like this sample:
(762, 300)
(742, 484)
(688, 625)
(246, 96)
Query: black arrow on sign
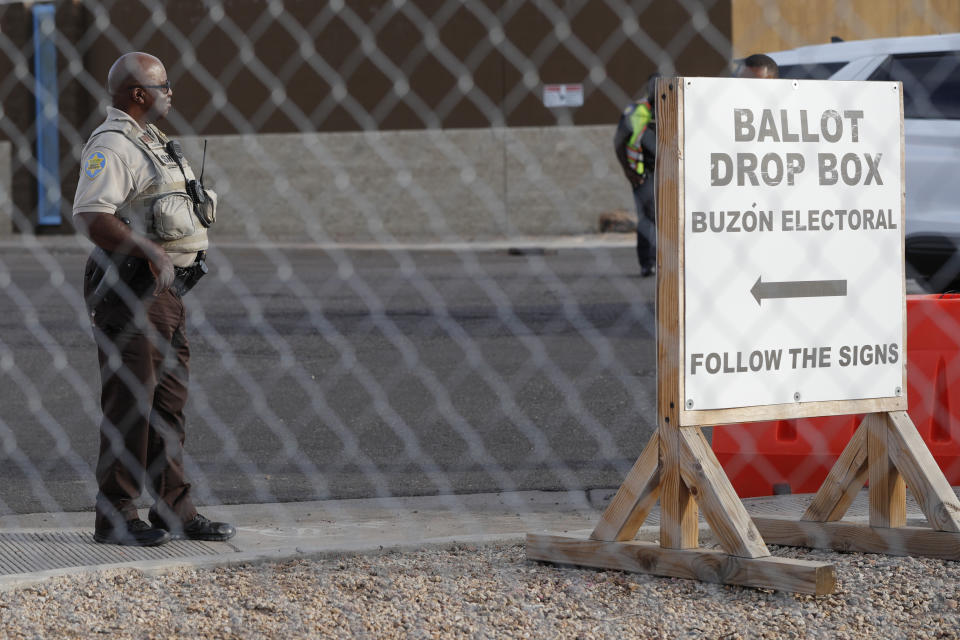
(798, 289)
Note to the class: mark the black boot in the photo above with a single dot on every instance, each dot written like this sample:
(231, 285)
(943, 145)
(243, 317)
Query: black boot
(200, 528)
(136, 533)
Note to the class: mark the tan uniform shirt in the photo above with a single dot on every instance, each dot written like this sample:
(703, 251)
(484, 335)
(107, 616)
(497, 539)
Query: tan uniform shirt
(113, 172)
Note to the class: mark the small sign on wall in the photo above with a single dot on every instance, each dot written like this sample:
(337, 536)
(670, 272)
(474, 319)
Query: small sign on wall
(562, 95)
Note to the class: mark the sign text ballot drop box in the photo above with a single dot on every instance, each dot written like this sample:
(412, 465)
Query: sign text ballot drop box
(792, 272)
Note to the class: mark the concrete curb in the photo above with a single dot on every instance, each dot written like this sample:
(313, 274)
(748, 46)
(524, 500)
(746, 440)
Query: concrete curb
(311, 530)
(279, 532)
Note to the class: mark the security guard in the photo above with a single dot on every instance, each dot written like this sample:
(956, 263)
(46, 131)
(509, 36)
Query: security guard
(141, 205)
(635, 143)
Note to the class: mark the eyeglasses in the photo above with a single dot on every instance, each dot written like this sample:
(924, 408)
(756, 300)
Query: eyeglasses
(165, 87)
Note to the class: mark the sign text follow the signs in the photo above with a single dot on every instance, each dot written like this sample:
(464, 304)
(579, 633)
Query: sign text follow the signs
(793, 272)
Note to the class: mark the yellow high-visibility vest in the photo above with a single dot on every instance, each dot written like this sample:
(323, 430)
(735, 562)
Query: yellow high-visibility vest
(640, 117)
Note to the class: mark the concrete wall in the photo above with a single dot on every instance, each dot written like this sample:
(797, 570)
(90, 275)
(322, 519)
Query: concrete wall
(441, 185)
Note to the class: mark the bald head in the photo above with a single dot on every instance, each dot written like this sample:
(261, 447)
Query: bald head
(134, 83)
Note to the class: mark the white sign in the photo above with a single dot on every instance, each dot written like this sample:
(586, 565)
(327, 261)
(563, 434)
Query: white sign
(793, 256)
(563, 95)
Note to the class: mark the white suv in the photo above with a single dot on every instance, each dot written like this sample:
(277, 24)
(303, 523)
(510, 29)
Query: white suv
(929, 68)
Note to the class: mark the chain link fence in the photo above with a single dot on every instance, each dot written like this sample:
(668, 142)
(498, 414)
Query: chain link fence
(388, 312)
(380, 125)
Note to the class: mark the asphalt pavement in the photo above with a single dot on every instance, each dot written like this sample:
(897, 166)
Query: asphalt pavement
(351, 371)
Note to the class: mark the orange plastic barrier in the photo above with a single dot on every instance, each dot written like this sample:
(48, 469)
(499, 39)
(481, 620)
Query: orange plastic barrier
(794, 456)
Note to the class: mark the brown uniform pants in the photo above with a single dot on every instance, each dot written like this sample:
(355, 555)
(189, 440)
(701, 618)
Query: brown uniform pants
(144, 372)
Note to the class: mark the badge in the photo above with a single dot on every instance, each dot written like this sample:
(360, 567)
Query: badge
(146, 139)
(95, 164)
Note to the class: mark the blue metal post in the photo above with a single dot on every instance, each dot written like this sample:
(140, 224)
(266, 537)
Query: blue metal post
(48, 135)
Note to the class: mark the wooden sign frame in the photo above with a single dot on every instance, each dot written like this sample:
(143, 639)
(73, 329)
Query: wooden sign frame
(679, 468)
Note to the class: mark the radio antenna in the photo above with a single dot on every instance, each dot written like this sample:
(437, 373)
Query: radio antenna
(203, 162)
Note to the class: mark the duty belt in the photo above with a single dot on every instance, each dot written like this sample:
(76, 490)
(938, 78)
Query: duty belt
(186, 277)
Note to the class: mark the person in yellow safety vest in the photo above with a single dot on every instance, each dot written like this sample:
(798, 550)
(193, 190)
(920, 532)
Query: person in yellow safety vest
(635, 143)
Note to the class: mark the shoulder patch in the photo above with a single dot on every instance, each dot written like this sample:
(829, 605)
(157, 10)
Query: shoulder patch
(95, 164)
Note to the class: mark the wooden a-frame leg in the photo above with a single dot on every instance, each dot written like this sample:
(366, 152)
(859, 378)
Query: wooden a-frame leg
(722, 508)
(889, 442)
(679, 528)
(702, 480)
(846, 478)
(888, 492)
(928, 485)
(638, 494)
(888, 448)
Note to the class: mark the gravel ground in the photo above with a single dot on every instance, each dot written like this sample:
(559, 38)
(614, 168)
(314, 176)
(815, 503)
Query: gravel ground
(482, 592)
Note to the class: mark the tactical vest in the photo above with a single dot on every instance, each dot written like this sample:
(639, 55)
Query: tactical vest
(640, 117)
(164, 211)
